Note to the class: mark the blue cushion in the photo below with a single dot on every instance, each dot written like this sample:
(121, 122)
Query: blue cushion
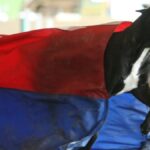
(47, 122)
(121, 130)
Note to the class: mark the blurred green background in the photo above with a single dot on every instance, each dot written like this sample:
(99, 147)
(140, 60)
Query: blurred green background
(11, 7)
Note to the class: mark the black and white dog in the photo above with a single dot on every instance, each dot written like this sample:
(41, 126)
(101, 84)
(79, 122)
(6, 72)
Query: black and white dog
(127, 62)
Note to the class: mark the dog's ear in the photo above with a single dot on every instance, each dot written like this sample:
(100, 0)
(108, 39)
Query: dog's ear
(145, 7)
(141, 10)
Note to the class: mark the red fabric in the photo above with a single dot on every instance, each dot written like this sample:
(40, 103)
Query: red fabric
(122, 26)
(56, 61)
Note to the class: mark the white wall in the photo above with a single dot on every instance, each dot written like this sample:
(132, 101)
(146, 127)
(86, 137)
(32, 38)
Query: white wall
(126, 9)
(10, 27)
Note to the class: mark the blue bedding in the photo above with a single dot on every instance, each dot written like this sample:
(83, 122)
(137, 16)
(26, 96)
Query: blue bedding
(31, 121)
(121, 130)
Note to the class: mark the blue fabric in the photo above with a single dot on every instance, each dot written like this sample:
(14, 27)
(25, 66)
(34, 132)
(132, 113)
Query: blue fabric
(121, 130)
(31, 121)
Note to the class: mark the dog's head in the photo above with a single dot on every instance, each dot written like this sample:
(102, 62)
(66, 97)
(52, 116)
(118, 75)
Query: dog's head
(127, 59)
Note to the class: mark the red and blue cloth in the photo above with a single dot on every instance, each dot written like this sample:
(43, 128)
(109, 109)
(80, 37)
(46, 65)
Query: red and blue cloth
(49, 82)
(52, 88)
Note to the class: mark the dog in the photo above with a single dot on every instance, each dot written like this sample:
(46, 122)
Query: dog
(127, 62)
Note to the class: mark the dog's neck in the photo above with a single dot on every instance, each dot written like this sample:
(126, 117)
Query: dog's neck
(124, 55)
(138, 81)
(132, 80)
(121, 53)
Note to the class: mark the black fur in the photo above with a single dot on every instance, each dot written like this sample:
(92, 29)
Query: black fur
(123, 49)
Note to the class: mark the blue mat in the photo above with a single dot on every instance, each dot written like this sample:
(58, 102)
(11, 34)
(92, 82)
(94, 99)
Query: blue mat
(31, 121)
(121, 130)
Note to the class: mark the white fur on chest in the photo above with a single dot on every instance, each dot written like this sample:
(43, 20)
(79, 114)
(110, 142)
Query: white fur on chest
(132, 79)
